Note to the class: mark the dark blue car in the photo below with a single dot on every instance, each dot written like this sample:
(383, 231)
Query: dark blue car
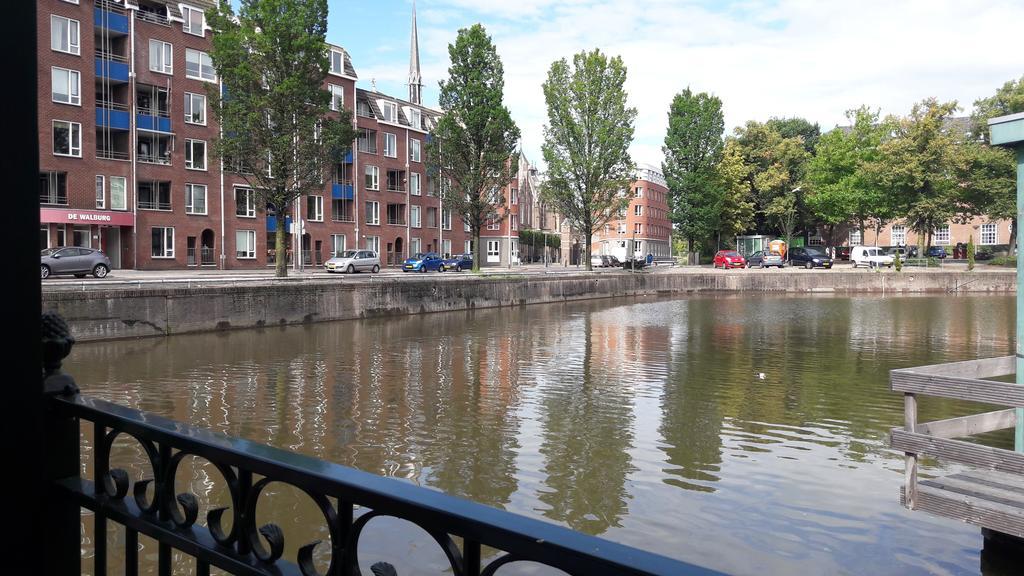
(421, 262)
(458, 262)
(935, 252)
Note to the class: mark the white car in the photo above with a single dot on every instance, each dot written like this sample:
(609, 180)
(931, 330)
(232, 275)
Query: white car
(869, 256)
(353, 261)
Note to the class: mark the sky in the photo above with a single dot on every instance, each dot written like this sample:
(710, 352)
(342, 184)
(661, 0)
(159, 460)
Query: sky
(763, 58)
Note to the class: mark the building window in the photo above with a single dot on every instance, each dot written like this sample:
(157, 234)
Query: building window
(53, 188)
(622, 227)
(446, 219)
(118, 193)
(363, 109)
(989, 234)
(81, 236)
(513, 196)
(414, 184)
(154, 195)
(62, 235)
(199, 66)
(245, 244)
(638, 210)
(195, 108)
(855, 239)
(44, 236)
(414, 218)
(315, 208)
(390, 111)
(414, 151)
(372, 178)
(639, 192)
(195, 154)
(193, 20)
(493, 250)
(367, 141)
(373, 212)
(493, 225)
(942, 235)
(446, 248)
(638, 228)
(899, 236)
(337, 62)
(468, 247)
(337, 97)
(513, 219)
(161, 57)
(64, 35)
(390, 145)
(415, 246)
(66, 86)
(416, 119)
(245, 202)
(431, 217)
(163, 243)
(372, 243)
(101, 192)
(67, 138)
(337, 245)
(195, 199)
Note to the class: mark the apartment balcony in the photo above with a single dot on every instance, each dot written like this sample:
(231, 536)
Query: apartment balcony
(111, 67)
(155, 122)
(113, 115)
(110, 17)
(342, 190)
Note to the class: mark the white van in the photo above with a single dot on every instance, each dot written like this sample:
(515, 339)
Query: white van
(870, 256)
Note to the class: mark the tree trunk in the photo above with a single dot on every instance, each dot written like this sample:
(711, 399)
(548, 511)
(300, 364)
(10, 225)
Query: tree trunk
(477, 252)
(1013, 237)
(586, 251)
(281, 260)
(863, 229)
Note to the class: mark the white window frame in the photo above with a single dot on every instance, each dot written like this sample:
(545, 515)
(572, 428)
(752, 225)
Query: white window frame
(415, 246)
(335, 250)
(250, 202)
(168, 251)
(101, 192)
(245, 249)
(390, 145)
(639, 192)
(622, 227)
(468, 247)
(372, 243)
(201, 54)
(190, 154)
(990, 229)
(188, 26)
(446, 219)
(493, 225)
(414, 219)
(73, 36)
(493, 250)
(638, 210)
(855, 238)
(165, 52)
(190, 105)
(318, 208)
(415, 188)
(337, 97)
(391, 107)
(374, 173)
(74, 151)
(415, 154)
(513, 221)
(446, 247)
(190, 199)
(941, 235)
(638, 228)
(513, 196)
(73, 85)
(374, 214)
(122, 183)
(340, 60)
(898, 235)
(416, 119)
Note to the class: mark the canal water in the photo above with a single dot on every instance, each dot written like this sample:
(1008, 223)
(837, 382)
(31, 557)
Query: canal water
(744, 433)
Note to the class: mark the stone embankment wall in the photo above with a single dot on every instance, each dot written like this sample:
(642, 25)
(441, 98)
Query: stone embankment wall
(101, 314)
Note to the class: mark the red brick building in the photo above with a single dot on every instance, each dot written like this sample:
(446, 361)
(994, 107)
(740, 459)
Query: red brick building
(644, 223)
(126, 127)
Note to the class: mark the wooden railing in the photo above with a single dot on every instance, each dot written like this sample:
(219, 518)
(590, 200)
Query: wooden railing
(979, 495)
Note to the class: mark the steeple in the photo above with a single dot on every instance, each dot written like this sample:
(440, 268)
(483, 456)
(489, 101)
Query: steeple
(415, 79)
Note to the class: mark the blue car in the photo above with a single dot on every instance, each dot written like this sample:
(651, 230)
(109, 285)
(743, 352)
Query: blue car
(458, 262)
(422, 262)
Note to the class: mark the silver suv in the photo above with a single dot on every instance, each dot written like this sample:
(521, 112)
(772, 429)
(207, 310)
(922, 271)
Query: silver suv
(73, 260)
(353, 261)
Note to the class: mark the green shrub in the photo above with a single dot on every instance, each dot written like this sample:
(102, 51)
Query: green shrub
(933, 262)
(897, 262)
(1004, 261)
(970, 253)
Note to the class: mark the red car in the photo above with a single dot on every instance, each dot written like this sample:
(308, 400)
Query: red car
(729, 259)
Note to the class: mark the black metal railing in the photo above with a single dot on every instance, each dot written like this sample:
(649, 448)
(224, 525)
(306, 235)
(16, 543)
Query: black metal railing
(150, 507)
(106, 154)
(110, 6)
(152, 17)
(190, 256)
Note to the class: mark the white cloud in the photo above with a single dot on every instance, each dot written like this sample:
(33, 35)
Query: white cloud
(810, 58)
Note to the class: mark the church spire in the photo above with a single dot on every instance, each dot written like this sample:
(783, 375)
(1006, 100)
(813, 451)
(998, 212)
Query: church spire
(415, 79)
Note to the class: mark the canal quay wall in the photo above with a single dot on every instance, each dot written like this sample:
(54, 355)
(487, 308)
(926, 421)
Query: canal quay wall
(100, 313)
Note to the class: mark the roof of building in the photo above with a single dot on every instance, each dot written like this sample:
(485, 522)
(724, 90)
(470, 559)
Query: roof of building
(371, 97)
(350, 70)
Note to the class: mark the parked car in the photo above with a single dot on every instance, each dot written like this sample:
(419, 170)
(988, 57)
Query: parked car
(729, 259)
(809, 258)
(598, 261)
(903, 253)
(869, 256)
(459, 262)
(73, 260)
(614, 261)
(842, 253)
(984, 254)
(421, 262)
(634, 263)
(353, 261)
(935, 252)
(763, 259)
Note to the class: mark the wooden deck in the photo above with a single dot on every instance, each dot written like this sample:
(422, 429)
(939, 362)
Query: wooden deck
(990, 493)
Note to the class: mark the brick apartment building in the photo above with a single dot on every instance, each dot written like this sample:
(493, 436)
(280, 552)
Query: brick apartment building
(125, 130)
(644, 222)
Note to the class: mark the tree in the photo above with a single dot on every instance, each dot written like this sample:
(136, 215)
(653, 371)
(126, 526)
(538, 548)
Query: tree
(1008, 99)
(272, 59)
(693, 149)
(793, 127)
(735, 209)
(783, 210)
(473, 145)
(586, 141)
(996, 198)
(777, 165)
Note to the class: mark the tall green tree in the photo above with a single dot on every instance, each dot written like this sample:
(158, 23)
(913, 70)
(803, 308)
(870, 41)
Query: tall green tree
(735, 207)
(793, 127)
(693, 149)
(586, 141)
(777, 167)
(1008, 99)
(995, 195)
(473, 148)
(272, 59)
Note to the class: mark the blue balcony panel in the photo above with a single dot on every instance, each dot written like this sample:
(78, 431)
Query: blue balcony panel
(110, 21)
(348, 157)
(272, 223)
(341, 191)
(116, 119)
(152, 123)
(116, 71)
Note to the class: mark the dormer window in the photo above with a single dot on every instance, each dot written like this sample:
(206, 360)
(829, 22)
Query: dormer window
(193, 20)
(390, 111)
(415, 119)
(363, 109)
(337, 62)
